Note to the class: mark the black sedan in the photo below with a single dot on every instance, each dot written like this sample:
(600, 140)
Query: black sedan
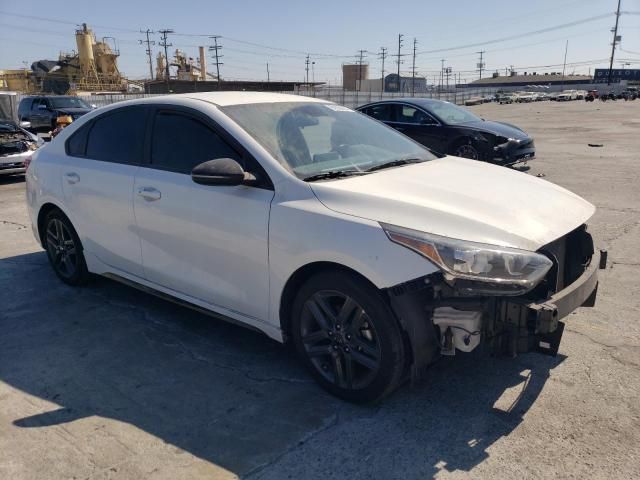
(448, 129)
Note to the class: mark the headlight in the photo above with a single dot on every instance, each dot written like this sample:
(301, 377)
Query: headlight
(475, 268)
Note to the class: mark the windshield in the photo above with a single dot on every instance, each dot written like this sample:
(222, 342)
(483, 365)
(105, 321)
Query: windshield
(452, 114)
(314, 138)
(68, 102)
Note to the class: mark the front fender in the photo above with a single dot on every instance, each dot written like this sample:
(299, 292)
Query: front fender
(305, 232)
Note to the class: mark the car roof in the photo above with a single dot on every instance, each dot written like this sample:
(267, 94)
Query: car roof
(225, 99)
(419, 102)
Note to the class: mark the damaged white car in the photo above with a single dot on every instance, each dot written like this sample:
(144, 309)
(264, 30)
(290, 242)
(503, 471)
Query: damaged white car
(16, 147)
(316, 224)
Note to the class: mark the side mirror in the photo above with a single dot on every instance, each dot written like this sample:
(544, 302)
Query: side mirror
(94, 106)
(221, 171)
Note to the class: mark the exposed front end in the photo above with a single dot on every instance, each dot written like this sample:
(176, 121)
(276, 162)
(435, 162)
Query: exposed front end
(457, 320)
(509, 150)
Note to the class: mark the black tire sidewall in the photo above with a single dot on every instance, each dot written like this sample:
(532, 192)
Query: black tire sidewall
(463, 142)
(386, 326)
(81, 275)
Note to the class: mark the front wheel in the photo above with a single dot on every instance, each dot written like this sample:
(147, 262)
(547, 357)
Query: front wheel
(466, 150)
(64, 249)
(347, 336)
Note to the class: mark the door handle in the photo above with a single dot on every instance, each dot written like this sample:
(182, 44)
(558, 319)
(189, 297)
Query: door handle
(400, 129)
(150, 194)
(72, 177)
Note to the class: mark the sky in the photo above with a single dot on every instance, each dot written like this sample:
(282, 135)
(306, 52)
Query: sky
(528, 35)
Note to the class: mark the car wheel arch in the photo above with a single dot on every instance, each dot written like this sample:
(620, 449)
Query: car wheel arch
(45, 210)
(297, 279)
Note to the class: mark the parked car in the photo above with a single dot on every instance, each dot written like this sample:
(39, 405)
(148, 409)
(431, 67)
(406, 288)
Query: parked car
(448, 129)
(591, 96)
(504, 98)
(567, 95)
(42, 111)
(525, 97)
(315, 224)
(16, 146)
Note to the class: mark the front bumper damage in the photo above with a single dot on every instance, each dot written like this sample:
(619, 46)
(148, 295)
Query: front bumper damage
(514, 151)
(509, 325)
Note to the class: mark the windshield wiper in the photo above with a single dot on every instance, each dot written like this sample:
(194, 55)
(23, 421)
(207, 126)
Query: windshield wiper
(395, 163)
(332, 174)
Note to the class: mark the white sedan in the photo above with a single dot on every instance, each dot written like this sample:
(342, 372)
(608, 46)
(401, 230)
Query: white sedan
(316, 224)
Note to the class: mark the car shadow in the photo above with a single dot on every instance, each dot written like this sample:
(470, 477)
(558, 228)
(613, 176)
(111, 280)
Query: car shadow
(231, 396)
(11, 179)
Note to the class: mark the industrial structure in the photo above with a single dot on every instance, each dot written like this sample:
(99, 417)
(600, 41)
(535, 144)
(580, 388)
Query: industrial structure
(353, 74)
(92, 68)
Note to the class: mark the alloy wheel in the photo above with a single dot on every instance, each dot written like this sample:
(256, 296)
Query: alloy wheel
(61, 248)
(466, 151)
(340, 340)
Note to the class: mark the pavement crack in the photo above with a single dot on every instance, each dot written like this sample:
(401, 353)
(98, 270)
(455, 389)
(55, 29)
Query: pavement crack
(333, 421)
(21, 226)
(602, 344)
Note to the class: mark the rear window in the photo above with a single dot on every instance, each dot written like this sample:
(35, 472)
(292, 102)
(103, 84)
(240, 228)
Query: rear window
(118, 137)
(77, 143)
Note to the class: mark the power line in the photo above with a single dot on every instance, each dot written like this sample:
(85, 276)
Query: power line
(399, 56)
(163, 43)
(520, 35)
(215, 48)
(148, 51)
(413, 69)
(613, 44)
(481, 63)
(382, 55)
(361, 55)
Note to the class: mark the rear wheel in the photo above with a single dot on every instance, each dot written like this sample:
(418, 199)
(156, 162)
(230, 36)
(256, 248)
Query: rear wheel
(64, 249)
(347, 336)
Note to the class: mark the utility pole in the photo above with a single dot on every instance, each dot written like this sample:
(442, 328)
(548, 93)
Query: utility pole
(481, 64)
(360, 58)
(564, 65)
(613, 44)
(399, 58)
(166, 45)
(148, 50)
(382, 55)
(215, 48)
(268, 77)
(306, 68)
(441, 74)
(413, 69)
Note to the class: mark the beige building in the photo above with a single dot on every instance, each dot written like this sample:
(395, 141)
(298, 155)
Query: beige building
(353, 74)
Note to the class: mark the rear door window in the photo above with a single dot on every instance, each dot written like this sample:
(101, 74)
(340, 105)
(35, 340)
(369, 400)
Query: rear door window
(179, 142)
(118, 136)
(25, 107)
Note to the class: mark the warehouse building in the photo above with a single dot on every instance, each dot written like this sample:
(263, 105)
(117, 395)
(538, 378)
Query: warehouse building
(553, 79)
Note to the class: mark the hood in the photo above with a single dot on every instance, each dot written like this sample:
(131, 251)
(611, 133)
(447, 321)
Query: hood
(463, 199)
(499, 128)
(73, 111)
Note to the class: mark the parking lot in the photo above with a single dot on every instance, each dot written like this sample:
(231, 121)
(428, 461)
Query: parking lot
(106, 382)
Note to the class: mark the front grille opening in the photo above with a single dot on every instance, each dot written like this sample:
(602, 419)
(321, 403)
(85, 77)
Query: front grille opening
(571, 255)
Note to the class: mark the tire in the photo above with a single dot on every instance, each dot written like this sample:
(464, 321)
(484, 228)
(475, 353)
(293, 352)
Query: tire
(466, 149)
(64, 249)
(348, 337)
